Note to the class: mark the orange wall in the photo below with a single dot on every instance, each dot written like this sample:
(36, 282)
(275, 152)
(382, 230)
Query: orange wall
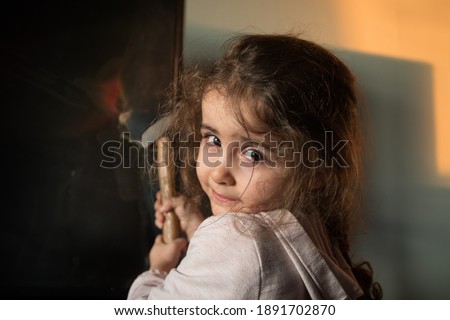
(412, 30)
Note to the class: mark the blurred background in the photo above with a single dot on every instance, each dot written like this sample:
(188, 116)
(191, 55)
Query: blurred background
(398, 50)
(79, 74)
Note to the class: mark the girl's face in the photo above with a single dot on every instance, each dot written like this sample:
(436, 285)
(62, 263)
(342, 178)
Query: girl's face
(236, 169)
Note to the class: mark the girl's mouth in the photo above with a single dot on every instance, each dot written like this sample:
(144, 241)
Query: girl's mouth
(222, 198)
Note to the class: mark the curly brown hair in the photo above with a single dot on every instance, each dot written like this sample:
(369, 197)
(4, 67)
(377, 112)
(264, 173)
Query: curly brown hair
(300, 92)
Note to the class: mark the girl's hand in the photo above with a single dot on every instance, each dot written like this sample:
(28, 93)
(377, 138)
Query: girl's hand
(165, 256)
(189, 219)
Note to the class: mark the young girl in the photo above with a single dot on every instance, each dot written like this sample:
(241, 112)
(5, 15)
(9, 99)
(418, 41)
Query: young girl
(268, 146)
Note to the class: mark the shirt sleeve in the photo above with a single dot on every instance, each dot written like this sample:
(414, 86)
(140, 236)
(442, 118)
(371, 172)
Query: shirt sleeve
(140, 288)
(221, 263)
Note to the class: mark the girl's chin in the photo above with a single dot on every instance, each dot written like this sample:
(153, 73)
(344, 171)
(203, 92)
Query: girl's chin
(217, 211)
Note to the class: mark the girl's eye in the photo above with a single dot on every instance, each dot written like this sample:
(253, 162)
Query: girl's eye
(253, 155)
(211, 139)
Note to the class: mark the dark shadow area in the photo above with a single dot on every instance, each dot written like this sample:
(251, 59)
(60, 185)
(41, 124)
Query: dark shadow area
(77, 74)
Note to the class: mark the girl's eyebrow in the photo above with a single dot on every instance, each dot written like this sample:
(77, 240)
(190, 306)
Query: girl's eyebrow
(207, 127)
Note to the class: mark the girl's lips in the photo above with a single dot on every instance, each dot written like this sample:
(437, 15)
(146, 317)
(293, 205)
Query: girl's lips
(222, 198)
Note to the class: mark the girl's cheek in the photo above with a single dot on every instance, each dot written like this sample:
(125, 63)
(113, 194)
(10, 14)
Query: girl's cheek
(200, 165)
(203, 168)
(246, 174)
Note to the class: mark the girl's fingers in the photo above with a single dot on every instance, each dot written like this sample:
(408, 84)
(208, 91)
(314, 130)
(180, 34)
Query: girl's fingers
(163, 205)
(189, 220)
(159, 219)
(159, 239)
(180, 244)
(160, 208)
(159, 214)
(165, 256)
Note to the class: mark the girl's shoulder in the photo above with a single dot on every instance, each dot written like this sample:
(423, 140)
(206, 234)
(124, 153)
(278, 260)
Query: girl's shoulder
(251, 231)
(254, 246)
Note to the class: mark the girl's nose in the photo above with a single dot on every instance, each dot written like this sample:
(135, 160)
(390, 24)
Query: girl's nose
(222, 174)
